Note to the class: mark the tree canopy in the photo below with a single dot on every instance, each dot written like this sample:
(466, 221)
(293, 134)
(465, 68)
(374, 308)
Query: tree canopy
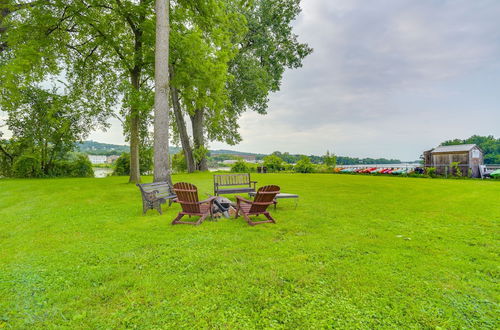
(225, 58)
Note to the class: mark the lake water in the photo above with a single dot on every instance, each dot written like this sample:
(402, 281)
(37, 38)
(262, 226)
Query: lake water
(100, 172)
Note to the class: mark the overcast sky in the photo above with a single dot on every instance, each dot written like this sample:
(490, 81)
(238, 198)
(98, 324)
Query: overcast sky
(387, 78)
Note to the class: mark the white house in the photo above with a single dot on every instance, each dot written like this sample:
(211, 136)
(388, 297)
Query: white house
(97, 159)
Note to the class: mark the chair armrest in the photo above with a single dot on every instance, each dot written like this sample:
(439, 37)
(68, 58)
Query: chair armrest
(254, 183)
(239, 198)
(150, 196)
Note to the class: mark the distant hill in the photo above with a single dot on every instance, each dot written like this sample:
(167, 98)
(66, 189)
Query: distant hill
(233, 152)
(98, 148)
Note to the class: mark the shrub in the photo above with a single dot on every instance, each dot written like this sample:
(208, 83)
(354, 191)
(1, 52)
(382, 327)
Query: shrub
(146, 160)
(179, 163)
(60, 168)
(330, 160)
(304, 165)
(456, 171)
(122, 165)
(81, 167)
(27, 166)
(240, 167)
(273, 163)
(78, 166)
(322, 168)
(430, 171)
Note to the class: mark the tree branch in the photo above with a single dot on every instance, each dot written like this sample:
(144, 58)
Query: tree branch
(2, 149)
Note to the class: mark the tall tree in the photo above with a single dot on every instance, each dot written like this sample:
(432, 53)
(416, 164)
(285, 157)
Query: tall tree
(161, 112)
(47, 124)
(265, 47)
(101, 47)
(204, 43)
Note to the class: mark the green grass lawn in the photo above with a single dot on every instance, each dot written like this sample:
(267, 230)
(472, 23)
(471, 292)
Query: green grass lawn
(358, 252)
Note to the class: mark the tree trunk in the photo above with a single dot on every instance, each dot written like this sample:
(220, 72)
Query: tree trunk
(197, 122)
(161, 112)
(183, 134)
(4, 151)
(135, 174)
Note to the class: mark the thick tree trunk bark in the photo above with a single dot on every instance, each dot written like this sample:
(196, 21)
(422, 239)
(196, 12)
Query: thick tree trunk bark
(197, 122)
(183, 134)
(135, 174)
(161, 114)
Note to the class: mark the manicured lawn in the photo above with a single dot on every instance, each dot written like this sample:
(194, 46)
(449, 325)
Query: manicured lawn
(358, 252)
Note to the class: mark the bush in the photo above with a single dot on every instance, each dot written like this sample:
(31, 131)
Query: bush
(78, 167)
(273, 163)
(122, 165)
(240, 167)
(27, 166)
(455, 169)
(146, 161)
(60, 168)
(330, 160)
(430, 171)
(322, 168)
(81, 167)
(304, 165)
(179, 163)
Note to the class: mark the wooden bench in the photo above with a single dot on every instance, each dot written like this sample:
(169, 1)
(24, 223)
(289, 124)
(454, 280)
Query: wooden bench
(154, 194)
(239, 183)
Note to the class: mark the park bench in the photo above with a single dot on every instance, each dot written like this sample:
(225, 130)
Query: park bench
(154, 194)
(238, 183)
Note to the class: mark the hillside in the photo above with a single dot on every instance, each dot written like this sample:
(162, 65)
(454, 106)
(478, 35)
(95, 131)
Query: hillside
(98, 148)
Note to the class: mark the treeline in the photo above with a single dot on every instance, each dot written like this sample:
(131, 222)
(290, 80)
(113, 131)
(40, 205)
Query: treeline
(341, 160)
(489, 144)
(98, 148)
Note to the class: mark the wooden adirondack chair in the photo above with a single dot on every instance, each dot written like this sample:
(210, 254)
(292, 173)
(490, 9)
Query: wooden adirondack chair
(264, 197)
(187, 196)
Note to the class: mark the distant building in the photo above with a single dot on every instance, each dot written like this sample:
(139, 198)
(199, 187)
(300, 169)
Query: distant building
(111, 159)
(97, 159)
(467, 156)
(248, 158)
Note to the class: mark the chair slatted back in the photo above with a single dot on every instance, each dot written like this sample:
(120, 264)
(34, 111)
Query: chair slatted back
(232, 179)
(163, 189)
(264, 197)
(187, 196)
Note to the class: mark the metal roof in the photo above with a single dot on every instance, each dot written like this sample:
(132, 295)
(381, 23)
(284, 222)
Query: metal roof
(454, 148)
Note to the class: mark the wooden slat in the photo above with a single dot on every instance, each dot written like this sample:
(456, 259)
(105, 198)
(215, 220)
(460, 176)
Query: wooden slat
(187, 196)
(264, 197)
